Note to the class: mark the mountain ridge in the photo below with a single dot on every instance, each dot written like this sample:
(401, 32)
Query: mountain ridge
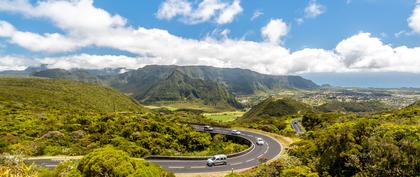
(208, 85)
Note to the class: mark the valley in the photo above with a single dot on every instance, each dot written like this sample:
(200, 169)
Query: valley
(77, 113)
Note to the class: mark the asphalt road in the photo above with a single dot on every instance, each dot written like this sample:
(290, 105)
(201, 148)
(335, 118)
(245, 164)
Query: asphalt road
(269, 150)
(259, 153)
(296, 127)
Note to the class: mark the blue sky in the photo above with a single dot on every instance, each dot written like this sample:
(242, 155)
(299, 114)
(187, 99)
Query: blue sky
(340, 20)
(268, 36)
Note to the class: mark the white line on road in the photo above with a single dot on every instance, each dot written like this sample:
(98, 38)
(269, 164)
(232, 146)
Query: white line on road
(268, 147)
(236, 163)
(250, 160)
(260, 155)
(198, 167)
(175, 167)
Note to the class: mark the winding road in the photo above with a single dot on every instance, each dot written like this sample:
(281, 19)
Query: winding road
(256, 155)
(296, 127)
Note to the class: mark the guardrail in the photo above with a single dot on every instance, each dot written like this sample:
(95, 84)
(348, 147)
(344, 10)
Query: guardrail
(249, 142)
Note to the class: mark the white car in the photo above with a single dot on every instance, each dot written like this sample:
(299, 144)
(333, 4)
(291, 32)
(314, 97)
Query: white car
(217, 160)
(208, 128)
(260, 141)
(235, 132)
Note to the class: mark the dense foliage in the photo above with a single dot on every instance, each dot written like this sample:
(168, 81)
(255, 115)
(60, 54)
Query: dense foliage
(274, 108)
(102, 162)
(35, 94)
(336, 144)
(356, 107)
(110, 162)
(180, 87)
(36, 119)
(171, 85)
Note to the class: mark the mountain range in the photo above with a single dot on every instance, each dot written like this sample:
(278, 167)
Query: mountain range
(169, 83)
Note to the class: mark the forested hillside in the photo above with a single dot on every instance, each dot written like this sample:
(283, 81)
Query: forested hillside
(357, 107)
(35, 94)
(201, 85)
(61, 117)
(179, 87)
(237, 81)
(274, 108)
(344, 144)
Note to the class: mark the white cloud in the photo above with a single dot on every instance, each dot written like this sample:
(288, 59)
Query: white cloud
(15, 63)
(6, 29)
(360, 52)
(171, 8)
(274, 31)
(256, 14)
(218, 11)
(414, 19)
(314, 9)
(229, 13)
(35, 42)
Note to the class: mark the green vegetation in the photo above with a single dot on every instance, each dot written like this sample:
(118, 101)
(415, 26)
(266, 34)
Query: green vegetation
(209, 87)
(105, 161)
(34, 94)
(272, 108)
(110, 162)
(343, 144)
(356, 107)
(273, 115)
(40, 117)
(223, 116)
(178, 87)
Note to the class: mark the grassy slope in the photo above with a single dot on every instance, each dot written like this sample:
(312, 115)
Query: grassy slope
(224, 116)
(60, 117)
(275, 108)
(63, 94)
(371, 106)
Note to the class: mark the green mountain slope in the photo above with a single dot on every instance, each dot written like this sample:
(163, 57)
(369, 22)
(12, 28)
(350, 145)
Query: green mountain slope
(237, 81)
(63, 94)
(64, 117)
(371, 106)
(272, 107)
(204, 85)
(180, 87)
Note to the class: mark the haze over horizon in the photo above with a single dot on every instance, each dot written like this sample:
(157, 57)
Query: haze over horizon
(324, 41)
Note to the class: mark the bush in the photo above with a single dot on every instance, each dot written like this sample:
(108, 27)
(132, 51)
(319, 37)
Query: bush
(111, 162)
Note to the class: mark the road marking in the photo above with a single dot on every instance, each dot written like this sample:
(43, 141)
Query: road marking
(198, 167)
(236, 163)
(260, 155)
(268, 147)
(250, 160)
(175, 167)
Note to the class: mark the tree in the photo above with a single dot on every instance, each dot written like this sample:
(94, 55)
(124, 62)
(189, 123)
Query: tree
(110, 162)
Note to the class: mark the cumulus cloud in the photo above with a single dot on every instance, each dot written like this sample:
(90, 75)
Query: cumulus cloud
(229, 13)
(274, 31)
(314, 9)
(172, 8)
(218, 11)
(15, 63)
(414, 20)
(36, 42)
(360, 52)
